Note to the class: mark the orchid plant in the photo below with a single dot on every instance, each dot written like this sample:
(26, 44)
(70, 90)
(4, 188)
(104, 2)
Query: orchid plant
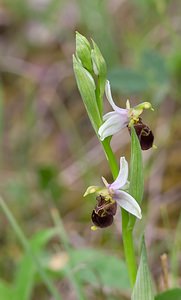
(91, 76)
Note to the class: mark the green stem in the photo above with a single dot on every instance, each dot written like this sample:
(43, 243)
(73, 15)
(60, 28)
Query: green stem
(110, 158)
(126, 232)
(47, 281)
(129, 247)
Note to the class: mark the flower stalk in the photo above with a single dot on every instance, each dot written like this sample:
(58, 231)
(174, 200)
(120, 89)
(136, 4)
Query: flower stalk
(129, 251)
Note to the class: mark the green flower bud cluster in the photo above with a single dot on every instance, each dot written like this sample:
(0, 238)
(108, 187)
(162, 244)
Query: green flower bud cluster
(90, 73)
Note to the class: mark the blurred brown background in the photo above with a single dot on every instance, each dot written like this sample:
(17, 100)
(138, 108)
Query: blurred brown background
(48, 151)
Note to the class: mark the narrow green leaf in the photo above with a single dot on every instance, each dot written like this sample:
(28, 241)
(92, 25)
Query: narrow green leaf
(24, 281)
(136, 187)
(173, 294)
(86, 86)
(143, 289)
(25, 276)
(26, 245)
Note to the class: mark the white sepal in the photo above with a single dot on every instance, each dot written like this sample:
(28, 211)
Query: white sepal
(122, 177)
(112, 125)
(127, 202)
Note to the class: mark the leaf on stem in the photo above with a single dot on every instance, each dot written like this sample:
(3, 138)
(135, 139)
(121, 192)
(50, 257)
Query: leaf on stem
(143, 289)
(174, 294)
(136, 187)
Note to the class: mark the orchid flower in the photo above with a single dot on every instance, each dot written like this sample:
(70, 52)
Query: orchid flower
(112, 195)
(120, 118)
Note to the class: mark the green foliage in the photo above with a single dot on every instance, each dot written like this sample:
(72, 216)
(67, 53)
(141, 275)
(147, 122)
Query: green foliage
(136, 187)
(25, 280)
(25, 276)
(83, 51)
(86, 86)
(173, 294)
(6, 291)
(143, 289)
(99, 62)
(100, 70)
(93, 61)
(98, 269)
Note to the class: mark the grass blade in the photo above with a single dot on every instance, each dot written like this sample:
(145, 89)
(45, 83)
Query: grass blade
(27, 247)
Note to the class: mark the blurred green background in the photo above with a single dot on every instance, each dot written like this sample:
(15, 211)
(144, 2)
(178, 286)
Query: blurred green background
(49, 153)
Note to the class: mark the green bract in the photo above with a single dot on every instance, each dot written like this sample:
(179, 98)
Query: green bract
(89, 65)
(100, 69)
(86, 86)
(99, 65)
(83, 51)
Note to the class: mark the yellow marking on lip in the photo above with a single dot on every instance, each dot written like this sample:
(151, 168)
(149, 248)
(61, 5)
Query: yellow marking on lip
(94, 228)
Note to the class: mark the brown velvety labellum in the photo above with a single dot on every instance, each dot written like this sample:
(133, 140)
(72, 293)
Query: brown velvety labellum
(102, 215)
(101, 222)
(144, 134)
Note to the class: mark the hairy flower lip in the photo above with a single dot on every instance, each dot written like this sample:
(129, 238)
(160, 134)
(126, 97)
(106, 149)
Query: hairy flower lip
(144, 134)
(101, 222)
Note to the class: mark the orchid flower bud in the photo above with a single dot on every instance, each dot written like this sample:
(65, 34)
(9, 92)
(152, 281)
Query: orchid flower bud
(83, 51)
